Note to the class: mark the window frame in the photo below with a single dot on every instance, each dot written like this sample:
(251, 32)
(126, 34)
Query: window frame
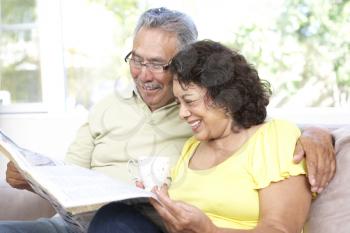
(52, 69)
(49, 26)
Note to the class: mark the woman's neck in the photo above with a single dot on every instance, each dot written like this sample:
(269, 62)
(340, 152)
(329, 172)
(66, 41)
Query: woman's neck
(230, 143)
(215, 151)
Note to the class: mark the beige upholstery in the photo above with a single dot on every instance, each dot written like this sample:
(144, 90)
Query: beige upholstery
(330, 212)
(21, 204)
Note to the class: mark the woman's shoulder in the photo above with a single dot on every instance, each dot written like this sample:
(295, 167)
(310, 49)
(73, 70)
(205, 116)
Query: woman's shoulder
(280, 126)
(274, 149)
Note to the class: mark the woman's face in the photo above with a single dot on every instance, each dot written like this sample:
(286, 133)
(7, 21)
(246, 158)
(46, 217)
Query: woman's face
(206, 120)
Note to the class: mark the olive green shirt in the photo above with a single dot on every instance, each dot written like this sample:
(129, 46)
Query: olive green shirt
(122, 127)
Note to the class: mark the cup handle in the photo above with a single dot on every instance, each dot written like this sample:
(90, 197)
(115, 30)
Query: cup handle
(132, 165)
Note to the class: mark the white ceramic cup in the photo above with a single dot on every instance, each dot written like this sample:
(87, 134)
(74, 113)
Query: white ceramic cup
(152, 170)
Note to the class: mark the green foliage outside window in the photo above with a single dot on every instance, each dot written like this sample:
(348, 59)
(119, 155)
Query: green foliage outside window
(19, 59)
(84, 81)
(305, 54)
(18, 11)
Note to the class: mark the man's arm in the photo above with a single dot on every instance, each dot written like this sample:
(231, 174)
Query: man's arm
(80, 151)
(15, 179)
(317, 146)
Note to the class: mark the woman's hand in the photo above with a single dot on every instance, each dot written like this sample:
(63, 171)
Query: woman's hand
(179, 216)
(139, 184)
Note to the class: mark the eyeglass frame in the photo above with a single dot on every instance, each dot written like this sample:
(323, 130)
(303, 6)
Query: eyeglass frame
(148, 65)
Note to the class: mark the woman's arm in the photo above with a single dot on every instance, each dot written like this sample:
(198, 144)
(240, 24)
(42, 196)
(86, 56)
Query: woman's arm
(284, 207)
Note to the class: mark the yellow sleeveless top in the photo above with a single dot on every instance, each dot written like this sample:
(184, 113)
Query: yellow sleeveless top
(228, 192)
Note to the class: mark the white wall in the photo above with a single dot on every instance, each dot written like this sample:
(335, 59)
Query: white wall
(323, 117)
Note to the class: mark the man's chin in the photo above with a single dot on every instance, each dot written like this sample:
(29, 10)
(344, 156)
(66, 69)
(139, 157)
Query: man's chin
(151, 96)
(152, 100)
(156, 102)
(155, 98)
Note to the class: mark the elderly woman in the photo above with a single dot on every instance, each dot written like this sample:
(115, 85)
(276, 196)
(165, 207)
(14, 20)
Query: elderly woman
(236, 174)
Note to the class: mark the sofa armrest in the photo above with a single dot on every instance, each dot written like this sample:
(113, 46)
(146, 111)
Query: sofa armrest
(21, 204)
(330, 212)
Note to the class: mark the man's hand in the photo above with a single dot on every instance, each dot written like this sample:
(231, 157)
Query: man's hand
(15, 179)
(316, 145)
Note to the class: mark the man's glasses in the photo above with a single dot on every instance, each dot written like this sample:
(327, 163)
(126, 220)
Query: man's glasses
(138, 63)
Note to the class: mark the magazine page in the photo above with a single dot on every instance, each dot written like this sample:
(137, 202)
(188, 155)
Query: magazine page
(75, 192)
(81, 190)
(24, 160)
(22, 157)
(75, 188)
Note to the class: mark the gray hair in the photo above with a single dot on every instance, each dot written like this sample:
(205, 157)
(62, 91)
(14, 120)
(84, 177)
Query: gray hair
(170, 21)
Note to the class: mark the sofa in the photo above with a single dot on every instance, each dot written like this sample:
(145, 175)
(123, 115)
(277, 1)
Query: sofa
(330, 211)
(22, 204)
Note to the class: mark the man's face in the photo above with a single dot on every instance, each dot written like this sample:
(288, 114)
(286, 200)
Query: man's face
(153, 46)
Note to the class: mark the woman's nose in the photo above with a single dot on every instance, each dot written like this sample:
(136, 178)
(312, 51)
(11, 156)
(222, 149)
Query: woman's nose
(184, 111)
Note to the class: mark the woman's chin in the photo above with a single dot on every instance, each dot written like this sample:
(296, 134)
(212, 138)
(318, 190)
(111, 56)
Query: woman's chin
(200, 137)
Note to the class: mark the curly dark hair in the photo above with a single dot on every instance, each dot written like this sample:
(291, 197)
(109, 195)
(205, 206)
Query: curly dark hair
(231, 82)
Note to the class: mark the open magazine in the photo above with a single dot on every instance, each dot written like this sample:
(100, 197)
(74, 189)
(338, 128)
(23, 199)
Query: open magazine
(75, 192)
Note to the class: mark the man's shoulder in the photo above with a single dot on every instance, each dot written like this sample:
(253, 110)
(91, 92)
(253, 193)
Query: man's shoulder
(122, 91)
(115, 97)
(105, 102)
(109, 101)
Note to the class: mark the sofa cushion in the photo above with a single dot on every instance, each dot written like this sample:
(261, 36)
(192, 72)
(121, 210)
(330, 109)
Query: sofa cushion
(21, 204)
(330, 212)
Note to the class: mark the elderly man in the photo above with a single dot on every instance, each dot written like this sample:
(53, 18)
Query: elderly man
(143, 119)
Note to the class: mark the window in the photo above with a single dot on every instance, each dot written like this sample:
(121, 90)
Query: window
(31, 61)
(95, 44)
(300, 46)
(20, 76)
(67, 54)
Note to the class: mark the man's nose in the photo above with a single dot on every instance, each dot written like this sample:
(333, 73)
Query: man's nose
(145, 74)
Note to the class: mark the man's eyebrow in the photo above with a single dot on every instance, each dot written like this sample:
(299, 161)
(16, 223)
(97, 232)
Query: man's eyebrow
(135, 55)
(153, 59)
(158, 59)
